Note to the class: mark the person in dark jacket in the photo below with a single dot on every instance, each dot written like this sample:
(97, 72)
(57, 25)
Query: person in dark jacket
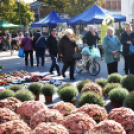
(52, 45)
(91, 37)
(39, 44)
(127, 38)
(28, 48)
(66, 50)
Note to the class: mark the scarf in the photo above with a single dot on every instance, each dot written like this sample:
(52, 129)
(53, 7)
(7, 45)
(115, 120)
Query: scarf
(111, 38)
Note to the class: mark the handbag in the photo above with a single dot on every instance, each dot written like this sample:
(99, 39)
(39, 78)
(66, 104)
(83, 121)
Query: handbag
(117, 55)
(131, 49)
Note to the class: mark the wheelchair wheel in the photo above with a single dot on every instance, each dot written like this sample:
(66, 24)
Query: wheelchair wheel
(94, 68)
(79, 66)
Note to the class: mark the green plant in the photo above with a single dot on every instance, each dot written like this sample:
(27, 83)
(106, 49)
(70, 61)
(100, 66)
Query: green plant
(129, 100)
(118, 95)
(16, 87)
(35, 88)
(64, 85)
(114, 78)
(81, 84)
(48, 90)
(68, 93)
(110, 86)
(128, 82)
(1, 67)
(91, 98)
(24, 95)
(6, 93)
(101, 81)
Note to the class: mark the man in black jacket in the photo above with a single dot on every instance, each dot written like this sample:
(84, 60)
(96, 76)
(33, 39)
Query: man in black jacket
(52, 44)
(91, 37)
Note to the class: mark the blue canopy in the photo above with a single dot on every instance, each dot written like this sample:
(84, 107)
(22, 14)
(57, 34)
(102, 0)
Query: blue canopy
(50, 20)
(95, 14)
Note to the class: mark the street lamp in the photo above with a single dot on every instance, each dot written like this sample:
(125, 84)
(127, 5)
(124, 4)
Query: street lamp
(19, 14)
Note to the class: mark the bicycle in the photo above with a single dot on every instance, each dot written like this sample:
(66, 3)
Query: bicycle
(91, 65)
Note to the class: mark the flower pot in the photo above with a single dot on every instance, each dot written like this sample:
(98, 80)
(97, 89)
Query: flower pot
(37, 96)
(48, 99)
(116, 105)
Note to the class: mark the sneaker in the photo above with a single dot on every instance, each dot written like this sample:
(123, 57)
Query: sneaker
(63, 75)
(59, 74)
(51, 72)
(72, 79)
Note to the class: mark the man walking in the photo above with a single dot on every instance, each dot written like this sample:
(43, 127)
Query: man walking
(52, 44)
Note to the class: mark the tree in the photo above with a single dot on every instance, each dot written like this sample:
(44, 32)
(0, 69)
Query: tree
(10, 11)
(75, 7)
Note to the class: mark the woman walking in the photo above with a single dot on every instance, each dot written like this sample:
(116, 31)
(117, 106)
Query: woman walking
(66, 50)
(127, 38)
(39, 44)
(112, 46)
(27, 44)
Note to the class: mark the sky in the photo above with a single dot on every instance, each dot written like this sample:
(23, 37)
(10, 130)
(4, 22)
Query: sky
(28, 1)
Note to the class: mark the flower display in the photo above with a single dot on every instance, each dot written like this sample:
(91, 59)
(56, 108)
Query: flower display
(46, 78)
(7, 115)
(125, 117)
(78, 123)
(50, 128)
(65, 108)
(109, 127)
(15, 73)
(46, 116)
(14, 127)
(92, 87)
(28, 108)
(3, 83)
(95, 111)
(118, 113)
(11, 103)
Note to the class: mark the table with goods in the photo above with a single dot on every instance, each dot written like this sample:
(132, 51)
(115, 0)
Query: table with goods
(82, 106)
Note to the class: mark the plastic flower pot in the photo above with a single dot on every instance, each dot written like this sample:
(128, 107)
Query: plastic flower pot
(116, 105)
(48, 99)
(37, 96)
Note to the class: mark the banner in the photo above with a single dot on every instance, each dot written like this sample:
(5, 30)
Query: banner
(108, 21)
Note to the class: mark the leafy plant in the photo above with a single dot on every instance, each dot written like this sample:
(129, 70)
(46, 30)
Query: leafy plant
(64, 85)
(91, 98)
(1, 67)
(6, 93)
(114, 78)
(48, 90)
(129, 100)
(128, 82)
(110, 86)
(81, 84)
(35, 88)
(102, 82)
(16, 87)
(68, 93)
(24, 95)
(118, 95)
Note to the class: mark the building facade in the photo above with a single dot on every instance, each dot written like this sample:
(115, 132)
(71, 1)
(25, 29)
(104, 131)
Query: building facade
(127, 9)
(113, 6)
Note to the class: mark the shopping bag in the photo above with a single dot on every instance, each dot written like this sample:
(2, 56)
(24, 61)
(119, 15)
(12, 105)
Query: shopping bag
(131, 49)
(85, 51)
(95, 53)
(21, 53)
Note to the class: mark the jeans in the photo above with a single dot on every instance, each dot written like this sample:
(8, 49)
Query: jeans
(54, 63)
(112, 67)
(72, 68)
(26, 57)
(40, 53)
(8, 47)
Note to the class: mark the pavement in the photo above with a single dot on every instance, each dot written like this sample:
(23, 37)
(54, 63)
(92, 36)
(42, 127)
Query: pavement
(14, 63)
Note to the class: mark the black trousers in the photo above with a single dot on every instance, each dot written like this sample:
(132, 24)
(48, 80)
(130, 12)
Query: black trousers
(112, 67)
(129, 64)
(72, 68)
(27, 53)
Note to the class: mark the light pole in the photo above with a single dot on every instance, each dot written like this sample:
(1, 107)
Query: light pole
(19, 14)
